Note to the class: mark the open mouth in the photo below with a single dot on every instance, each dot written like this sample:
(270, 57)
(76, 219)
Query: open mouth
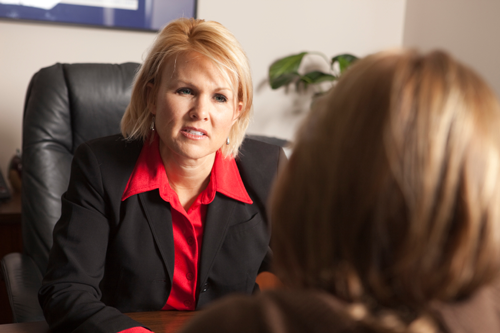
(194, 133)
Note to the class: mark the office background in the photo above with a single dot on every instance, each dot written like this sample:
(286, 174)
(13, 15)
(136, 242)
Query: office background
(267, 29)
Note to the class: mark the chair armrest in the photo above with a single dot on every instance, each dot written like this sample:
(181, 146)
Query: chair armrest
(22, 279)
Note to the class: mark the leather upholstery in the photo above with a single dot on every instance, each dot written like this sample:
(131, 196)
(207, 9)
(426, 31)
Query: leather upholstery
(66, 105)
(22, 279)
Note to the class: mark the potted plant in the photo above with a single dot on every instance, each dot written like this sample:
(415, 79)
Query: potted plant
(285, 71)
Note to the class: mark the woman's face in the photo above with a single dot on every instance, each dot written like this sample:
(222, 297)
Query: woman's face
(195, 108)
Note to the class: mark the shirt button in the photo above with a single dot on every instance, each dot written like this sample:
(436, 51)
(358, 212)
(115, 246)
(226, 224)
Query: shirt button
(190, 240)
(189, 276)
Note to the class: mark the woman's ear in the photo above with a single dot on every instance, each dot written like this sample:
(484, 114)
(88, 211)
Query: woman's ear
(237, 112)
(151, 100)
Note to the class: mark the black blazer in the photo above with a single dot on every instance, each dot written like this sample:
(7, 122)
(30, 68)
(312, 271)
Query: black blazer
(111, 256)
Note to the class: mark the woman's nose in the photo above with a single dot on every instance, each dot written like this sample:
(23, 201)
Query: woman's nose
(200, 110)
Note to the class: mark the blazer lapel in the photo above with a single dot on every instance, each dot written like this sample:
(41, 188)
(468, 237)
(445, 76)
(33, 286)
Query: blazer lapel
(160, 221)
(219, 214)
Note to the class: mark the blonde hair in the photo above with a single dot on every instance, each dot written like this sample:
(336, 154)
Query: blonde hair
(392, 193)
(208, 38)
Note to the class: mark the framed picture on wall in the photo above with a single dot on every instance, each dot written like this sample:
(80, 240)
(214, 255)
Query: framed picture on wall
(149, 15)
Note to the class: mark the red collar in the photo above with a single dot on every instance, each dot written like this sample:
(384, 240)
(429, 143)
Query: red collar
(149, 174)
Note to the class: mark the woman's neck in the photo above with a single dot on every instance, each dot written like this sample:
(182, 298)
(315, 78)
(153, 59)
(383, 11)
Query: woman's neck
(187, 177)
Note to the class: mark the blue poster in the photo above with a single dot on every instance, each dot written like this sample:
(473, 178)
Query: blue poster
(125, 14)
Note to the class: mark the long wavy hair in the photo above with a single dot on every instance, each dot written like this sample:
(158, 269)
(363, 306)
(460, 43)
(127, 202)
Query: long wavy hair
(391, 197)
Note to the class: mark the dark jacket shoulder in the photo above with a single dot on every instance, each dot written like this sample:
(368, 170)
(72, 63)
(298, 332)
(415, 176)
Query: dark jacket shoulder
(106, 163)
(115, 159)
(114, 147)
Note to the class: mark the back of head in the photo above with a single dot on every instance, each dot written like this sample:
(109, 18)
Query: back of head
(392, 193)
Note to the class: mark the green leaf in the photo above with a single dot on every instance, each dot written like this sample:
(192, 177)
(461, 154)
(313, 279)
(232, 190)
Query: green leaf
(283, 80)
(344, 60)
(315, 77)
(285, 70)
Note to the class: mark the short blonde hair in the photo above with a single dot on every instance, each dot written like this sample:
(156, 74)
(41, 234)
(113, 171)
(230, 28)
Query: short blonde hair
(208, 38)
(392, 193)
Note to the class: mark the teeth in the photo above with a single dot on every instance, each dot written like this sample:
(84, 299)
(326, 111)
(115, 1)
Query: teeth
(195, 132)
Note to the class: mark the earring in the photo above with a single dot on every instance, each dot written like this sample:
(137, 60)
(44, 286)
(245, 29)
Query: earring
(227, 141)
(152, 127)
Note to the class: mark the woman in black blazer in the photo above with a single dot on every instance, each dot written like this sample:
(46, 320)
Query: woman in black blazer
(171, 213)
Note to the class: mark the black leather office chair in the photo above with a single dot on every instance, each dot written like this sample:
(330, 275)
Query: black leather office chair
(66, 104)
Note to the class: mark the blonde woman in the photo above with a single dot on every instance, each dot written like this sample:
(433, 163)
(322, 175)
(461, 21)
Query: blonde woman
(169, 215)
(387, 216)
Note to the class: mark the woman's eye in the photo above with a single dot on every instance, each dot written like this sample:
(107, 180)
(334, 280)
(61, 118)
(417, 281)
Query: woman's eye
(184, 91)
(220, 98)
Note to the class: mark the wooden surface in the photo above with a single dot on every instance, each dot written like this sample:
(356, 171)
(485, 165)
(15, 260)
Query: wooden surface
(35, 327)
(158, 321)
(10, 210)
(267, 280)
(11, 240)
(161, 321)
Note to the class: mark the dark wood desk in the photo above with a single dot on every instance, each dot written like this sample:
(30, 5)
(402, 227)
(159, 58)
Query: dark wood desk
(158, 321)
(161, 321)
(10, 225)
(11, 240)
(10, 210)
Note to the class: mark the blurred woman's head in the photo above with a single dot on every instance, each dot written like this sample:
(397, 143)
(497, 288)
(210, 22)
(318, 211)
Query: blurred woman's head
(189, 36)
(392, 193)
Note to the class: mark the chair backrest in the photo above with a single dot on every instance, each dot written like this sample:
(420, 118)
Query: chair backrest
(66, 105)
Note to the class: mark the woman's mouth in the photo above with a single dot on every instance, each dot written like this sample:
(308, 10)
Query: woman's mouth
(193, 133)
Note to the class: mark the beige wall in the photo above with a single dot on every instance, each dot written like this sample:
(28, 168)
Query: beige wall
(270, 29)
(27, 47)
(468, 29)
(267, 29)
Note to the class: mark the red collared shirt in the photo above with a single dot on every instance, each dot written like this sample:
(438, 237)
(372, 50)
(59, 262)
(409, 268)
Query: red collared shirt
(149, 174)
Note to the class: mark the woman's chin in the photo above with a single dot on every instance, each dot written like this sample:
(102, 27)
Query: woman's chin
(194, 153)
